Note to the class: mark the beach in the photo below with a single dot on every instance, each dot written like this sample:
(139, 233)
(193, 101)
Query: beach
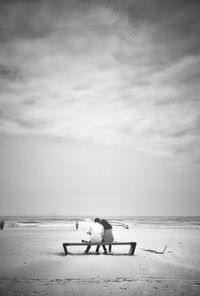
(33, 262)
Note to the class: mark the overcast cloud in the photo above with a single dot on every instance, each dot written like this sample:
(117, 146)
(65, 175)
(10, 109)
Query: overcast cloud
(103, 72)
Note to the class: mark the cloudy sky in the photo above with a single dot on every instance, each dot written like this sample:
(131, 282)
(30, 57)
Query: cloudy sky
(100, 107)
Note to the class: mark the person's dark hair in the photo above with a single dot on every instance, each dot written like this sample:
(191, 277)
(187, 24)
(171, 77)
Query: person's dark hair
(106, 224)
(97, 220)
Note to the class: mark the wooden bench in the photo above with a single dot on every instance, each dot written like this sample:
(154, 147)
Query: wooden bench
(131, 250)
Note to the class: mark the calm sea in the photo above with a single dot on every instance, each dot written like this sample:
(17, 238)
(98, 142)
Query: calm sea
(51, 221)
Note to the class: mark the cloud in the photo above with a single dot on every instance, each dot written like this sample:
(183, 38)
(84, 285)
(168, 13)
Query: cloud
(10, 74)
(99, 72)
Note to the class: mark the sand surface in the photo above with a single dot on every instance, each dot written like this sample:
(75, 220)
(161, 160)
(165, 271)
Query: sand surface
(32, 262)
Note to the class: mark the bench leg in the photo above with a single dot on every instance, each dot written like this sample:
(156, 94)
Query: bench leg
(65, 249)
(132, 249)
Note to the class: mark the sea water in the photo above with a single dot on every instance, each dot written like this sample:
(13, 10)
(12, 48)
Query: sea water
(56, 221)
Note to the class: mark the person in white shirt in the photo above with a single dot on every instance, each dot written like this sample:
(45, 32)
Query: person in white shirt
(96, 232)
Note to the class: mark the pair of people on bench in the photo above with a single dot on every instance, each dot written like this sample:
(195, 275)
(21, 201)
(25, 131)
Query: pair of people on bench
(100, 231)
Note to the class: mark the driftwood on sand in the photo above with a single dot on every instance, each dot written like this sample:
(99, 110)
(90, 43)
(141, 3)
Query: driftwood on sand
(154, 251)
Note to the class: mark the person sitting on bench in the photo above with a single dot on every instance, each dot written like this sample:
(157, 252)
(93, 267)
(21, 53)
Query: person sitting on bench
(96, 233)
(108, 234)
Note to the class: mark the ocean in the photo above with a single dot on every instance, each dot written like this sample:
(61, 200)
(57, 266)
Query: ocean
(55, 221)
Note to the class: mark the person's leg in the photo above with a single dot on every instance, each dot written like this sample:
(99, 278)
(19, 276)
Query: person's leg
(97, 249)
(104, 247)
(105, 250)
(87, 249)
(110, 248)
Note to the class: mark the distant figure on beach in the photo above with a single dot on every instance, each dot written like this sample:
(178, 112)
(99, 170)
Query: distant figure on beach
(108, 234)
(2, 225)
(96, 233)
(76, 225)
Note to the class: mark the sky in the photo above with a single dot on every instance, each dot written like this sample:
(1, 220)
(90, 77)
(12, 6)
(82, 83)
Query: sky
(99, 107)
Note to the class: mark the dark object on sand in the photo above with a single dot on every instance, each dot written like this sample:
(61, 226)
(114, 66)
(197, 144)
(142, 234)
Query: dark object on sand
(154, 251)
(2, 225)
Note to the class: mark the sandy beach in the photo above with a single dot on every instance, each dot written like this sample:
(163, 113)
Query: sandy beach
(33, 262)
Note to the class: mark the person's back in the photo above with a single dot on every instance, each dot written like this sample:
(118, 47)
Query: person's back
(96, 231)
(108, 235)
